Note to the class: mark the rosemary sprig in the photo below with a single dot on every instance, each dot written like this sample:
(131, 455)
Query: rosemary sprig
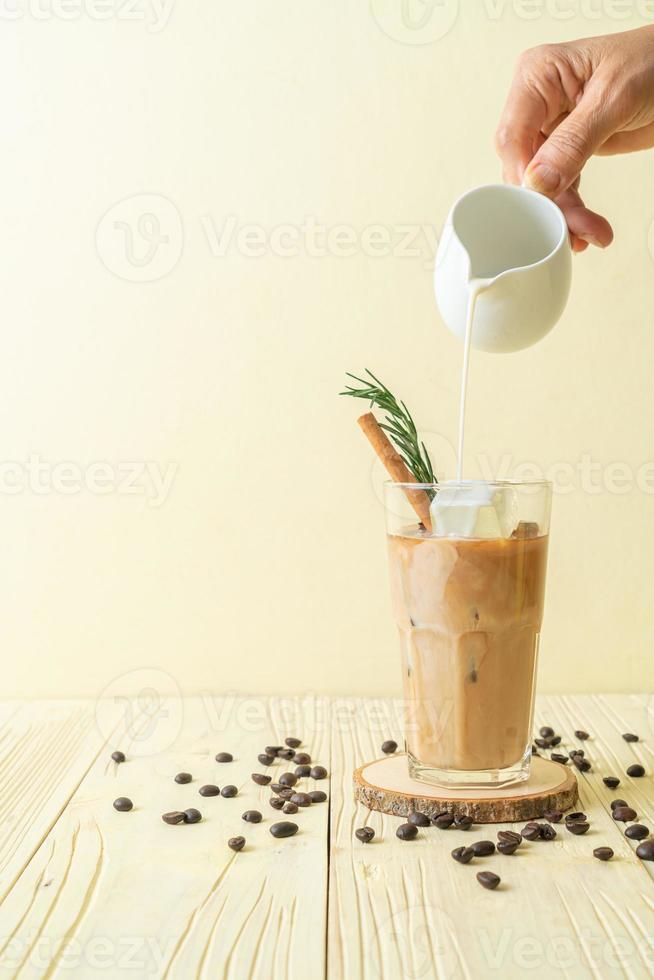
(398, 423)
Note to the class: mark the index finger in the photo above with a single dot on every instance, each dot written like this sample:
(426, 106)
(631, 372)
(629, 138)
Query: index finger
(519, 133)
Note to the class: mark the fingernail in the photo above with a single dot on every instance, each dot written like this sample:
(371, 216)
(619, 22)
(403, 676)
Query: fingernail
(542, 178)
(592, 241)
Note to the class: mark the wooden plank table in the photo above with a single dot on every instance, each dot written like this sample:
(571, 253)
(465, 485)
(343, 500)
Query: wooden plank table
(86, 891)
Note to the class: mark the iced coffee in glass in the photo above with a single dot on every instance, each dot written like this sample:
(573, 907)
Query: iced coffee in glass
(467, 595)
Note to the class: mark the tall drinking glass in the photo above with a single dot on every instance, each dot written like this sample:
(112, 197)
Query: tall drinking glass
(468, 596)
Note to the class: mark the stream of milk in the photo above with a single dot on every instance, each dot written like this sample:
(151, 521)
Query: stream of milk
(475, 287)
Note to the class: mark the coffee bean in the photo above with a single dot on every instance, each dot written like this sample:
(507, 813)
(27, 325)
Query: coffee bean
(389, 746)
(284, 829)
(463, 854)
(302, 758)
(558, 757)
(482, 848)
(175, 816)
(577, 827)
(534, 750)
(293, 743)
(288, 779)
(302, 771)
(285, 792)
(555, 740)
(123, 804)
(463, 822)
(542, 743)
(406, 831)
(364, 834)
(229, 791)
(236, 843)
(275, 787)
(636, 770)
(546, 731)
(273, 749)
(487, 879)
(118, 756)
(583, 765)
(616, 803)
(260, 779)
(183, 777)
(547, 832)
(192, 815)
(574, 752)
(443, 820)
(317, 796)
(418, 819)
(574, 817)
(252, 816)
(507, 846)
(629, 737)
(287, 754)
(645, 851)
(276, 802)
(265, 759)
(318, 772)
(224, 757)
(301, 799)
(637, 831)
(209, 790)
(624, 814)
(611, 781)
(531, 831)
(290, 807)
(553, 816)
(582, 736)
(509, 837)
(603, 853)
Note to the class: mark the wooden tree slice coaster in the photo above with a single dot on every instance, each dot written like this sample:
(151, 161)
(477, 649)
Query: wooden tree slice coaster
(386, 785)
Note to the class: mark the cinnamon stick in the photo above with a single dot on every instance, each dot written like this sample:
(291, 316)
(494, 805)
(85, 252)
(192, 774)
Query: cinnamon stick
(396, 468)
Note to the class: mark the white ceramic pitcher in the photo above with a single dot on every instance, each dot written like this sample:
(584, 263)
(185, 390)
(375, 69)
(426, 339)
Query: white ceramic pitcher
(517, 242)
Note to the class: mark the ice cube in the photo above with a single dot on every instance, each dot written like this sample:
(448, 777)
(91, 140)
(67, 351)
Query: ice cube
(472, 510)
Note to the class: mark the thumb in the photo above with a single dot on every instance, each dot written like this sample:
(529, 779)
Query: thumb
(559, 161)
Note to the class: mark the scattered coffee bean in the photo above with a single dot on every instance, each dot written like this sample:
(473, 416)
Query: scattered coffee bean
(276, 802)
(637, 831)
(542, 743)
(482, 848)
(288, 779)
(636, 770)
(463, 822)
(302, 758)
(209, 790)
(418, 819)
(252, 816)
(284, 829)
(236, 843)
(629, 737)
(558, 757)
(531, 831)
(183, 777)
(224, 757)
(534, 750)
(275, 787)
(260, 779)
(487, 879)
(123, 804)
(293, 743)
(507, 846)
(389, 746)
(301, 799)
(616, 803)
(406, 831)
(175, 816)
(509, 836)
(118, 756)
(273, 749)
(577, 827)
(285, 792)
(318, 772)
(625, 814)
(302, 771)
(583, 765)
(546, 731)
(574, 817)
(547, 832)
(192, 815)
(317, 796)
(287, 754)
(603, 853)
(229, 791)
(463, 854)
(582, 736)
(556, 740)
(574, 752)
(265, 759)
(443, 820)
(611, 781)
(553, 816)
(645, 851)
(364, 834)
(290, 807)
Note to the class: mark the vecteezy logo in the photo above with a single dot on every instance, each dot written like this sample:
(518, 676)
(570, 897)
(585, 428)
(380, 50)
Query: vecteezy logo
(419, 938)
(140, 239)
(415, 21)
(143, 709)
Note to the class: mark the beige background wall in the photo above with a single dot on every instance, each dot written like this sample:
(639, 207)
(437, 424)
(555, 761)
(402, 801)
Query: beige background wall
(288, 145)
